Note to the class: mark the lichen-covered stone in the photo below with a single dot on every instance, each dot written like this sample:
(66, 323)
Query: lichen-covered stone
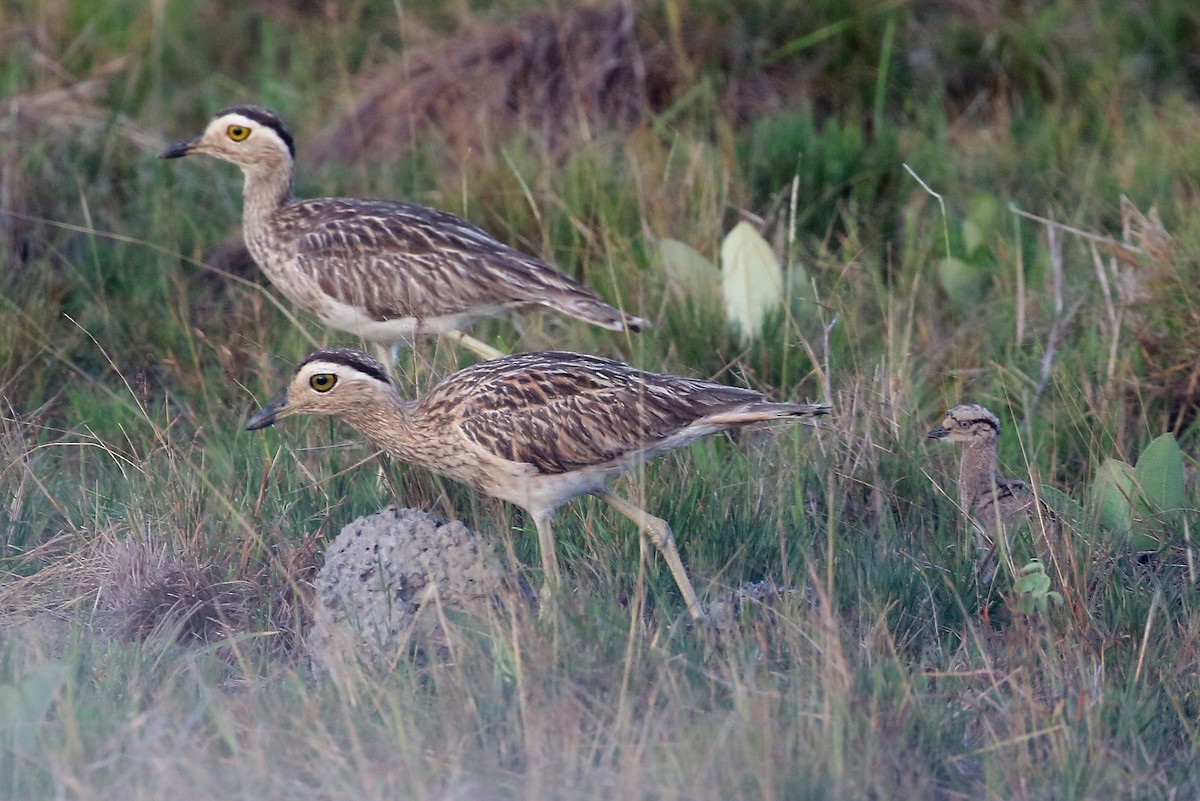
(385, 575)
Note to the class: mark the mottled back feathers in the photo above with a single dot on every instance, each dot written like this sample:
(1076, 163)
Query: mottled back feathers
(395, 259)
(563, 411)
(554, 412)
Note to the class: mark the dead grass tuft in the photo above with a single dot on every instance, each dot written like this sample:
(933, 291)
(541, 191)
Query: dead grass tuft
(1165, 313)
(156, 592)
(558, 78)
(68, 111)
(134, 589)
(553, 76)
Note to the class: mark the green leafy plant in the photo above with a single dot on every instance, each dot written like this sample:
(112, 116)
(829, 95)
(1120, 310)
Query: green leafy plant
(25, 702)
(834, 163)
(751, 280)
(1032, 589)
(1146, 502)
(691, 278)
(966, 278)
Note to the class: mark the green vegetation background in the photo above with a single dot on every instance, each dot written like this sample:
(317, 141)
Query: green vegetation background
(127, 367)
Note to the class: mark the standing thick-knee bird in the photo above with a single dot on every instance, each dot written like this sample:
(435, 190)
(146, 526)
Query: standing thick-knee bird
(991, 500)
(384, 270)
(534, 429)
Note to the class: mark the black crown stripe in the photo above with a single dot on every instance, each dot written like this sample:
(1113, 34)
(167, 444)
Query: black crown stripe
(265, 117)
(353, 359)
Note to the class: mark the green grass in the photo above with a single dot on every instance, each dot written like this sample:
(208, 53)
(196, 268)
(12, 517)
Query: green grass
(126, 369)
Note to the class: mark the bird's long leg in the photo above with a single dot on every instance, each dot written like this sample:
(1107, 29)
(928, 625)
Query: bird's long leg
(551, 579)
(422, 361)
(480, 349)
(660, 534)
(389, 354)
(386, 352)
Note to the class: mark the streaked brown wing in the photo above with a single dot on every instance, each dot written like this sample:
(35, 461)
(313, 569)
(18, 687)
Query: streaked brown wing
(1011, 488)
(1013, 495)
(402, 260)
(559, 412)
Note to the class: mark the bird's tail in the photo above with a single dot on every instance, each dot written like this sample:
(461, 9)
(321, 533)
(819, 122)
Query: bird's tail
(764, 411)
(597, 312)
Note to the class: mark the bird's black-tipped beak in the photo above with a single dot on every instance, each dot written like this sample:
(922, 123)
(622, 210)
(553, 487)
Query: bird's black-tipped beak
(938, 432)
(268, 414)
(182, 148)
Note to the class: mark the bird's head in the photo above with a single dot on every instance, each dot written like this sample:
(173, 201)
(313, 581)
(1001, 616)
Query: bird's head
(968, 423)
(339, 383)
(249, 136)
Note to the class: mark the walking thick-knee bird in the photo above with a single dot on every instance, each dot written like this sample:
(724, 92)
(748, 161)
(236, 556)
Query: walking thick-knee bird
(534, 429)
(384, 270)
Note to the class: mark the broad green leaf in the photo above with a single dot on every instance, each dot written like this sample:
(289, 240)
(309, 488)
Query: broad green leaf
(28, 700)
(800, 293)
(983, 213)
(689, 275)
(751, 279)
(973, 238)
(984, 209)
(965, 284)
(1116, 494)
(1033, 589)
(1062, 505)
(1159, 475)
(1033, 584)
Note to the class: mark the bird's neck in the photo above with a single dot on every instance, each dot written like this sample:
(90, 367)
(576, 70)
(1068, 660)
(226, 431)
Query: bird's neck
(268, 186)
(388, 424)
(976, 472)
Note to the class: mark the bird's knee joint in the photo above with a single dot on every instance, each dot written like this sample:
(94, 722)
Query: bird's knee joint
(661, 535)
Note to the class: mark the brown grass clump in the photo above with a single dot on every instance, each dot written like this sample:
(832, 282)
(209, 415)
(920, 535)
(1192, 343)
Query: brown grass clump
(155, 592)
(562, 77)
(1165, 314)
(152, 591)
(135, 589)
(65, 112)
(551, 76)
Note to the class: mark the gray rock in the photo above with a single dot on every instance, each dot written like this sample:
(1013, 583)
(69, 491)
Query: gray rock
(387, 580)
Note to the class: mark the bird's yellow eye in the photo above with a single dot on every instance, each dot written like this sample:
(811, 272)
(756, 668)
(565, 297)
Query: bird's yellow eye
(237, 133)
(322, 382)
